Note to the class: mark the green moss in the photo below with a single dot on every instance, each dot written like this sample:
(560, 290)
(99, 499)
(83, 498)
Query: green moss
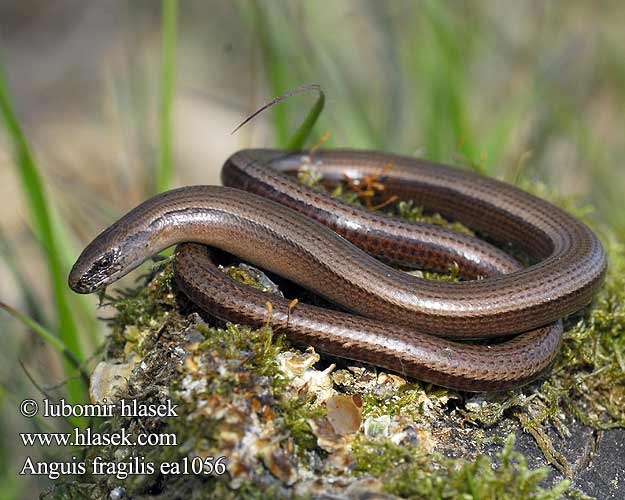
(310, 177)
(409, 472)
(244, 276)
(409, 211)
(404, 209)
(239, 359)
(409, 400)
(259, 346)
(297, 412)
(141, 311)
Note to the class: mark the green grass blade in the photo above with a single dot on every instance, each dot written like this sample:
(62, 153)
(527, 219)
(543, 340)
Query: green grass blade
(43, 332)
(69, 357)
(290, 56)
(164, 174)
(442, 49)
(28, 293)
(56, 343)
(33, 189)
(301, 135)
(81, 305)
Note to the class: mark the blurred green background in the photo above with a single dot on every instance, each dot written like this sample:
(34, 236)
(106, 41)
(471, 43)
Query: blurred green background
(102, 111)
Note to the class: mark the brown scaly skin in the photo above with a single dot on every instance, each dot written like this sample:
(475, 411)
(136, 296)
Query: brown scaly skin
(285, 236)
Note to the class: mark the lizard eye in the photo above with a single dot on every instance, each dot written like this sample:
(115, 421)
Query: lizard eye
(104, 261)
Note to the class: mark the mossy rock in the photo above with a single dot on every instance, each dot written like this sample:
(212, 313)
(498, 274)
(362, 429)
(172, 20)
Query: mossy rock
(249, 395)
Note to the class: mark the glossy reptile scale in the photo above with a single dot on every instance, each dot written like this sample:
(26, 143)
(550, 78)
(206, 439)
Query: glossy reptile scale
(268, 218)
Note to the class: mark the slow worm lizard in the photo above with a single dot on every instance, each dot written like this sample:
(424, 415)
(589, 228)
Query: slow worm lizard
(263, 215)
